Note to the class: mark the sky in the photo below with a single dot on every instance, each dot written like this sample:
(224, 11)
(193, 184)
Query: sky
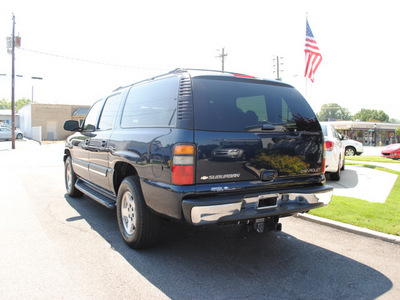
(84, 49)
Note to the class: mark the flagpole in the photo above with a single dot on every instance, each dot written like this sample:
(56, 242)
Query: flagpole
(306, 87)
(305, 77)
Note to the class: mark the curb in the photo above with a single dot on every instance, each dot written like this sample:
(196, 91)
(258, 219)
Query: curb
(351, 228)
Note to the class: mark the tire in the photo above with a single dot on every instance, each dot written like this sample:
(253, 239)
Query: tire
(344, 163)
(19, 136)
(336, 175)
(350, 151)
(138, 226)
(70, 179)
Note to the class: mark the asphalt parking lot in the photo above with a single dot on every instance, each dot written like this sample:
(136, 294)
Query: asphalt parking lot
(54, 246)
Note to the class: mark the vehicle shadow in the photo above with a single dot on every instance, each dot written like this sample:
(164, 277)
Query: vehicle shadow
(348, 179)
(215, 262)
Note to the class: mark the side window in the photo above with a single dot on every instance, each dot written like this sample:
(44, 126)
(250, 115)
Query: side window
(92, 117)
(151, 104)
(109, 112)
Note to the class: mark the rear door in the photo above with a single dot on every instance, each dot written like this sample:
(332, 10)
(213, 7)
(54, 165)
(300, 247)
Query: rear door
(250, 130)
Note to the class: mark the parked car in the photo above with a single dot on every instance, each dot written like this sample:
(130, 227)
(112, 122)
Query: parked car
(6, 133)
(391, 151)
(149, 150)
(352, 147)
(335, 151)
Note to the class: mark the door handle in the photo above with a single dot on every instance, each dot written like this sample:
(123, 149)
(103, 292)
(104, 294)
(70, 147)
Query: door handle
(103, 144)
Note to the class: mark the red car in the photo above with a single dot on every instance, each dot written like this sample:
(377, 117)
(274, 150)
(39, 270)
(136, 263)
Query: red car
(391, 151)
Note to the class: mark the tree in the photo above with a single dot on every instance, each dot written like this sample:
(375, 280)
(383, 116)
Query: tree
(333, 111)
(4, 104)
(371, 115)
(21, 103)
(398, 130)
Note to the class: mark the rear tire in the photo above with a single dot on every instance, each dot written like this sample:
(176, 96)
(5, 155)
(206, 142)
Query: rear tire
(336, 175)
(138, 226)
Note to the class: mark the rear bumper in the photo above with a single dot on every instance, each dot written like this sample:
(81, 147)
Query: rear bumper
(228, 208)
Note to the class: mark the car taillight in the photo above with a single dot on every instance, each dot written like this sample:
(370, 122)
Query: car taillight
(183, 165)
(329, 145)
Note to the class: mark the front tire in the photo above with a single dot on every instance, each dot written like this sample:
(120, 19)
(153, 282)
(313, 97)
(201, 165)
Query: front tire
(70, 179)
(138, 226)
(19, 136)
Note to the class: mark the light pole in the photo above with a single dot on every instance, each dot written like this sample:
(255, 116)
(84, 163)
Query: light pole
(37, 78)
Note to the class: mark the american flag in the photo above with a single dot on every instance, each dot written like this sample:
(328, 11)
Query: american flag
(313, 56)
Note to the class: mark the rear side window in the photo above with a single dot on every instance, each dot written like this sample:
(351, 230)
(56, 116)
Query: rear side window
(241, 105)
(151, 104)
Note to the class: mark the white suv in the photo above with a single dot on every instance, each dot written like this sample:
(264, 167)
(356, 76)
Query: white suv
(335, 151)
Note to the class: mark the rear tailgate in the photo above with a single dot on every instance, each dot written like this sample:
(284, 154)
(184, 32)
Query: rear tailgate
(248, 130)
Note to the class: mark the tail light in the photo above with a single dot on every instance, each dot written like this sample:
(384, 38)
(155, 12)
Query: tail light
(183, 165)
(329, 145)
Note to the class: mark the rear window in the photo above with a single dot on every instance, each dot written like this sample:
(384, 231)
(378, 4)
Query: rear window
(227, 104)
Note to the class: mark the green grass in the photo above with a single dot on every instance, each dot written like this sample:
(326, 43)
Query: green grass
(372, 158)
(382, 217)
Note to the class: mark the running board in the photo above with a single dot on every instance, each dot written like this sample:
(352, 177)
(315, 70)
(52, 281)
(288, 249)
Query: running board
(94, 193)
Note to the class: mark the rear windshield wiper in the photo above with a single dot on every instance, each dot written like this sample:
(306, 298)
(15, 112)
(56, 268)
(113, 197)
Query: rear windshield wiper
(265, 126)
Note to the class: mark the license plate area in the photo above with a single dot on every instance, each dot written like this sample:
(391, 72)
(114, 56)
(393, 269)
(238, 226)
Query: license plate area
(261, 202)
(269, 202)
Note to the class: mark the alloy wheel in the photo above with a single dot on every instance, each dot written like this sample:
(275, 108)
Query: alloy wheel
(128, 213)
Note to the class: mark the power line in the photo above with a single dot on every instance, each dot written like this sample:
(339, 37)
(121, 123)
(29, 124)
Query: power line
(89, 61)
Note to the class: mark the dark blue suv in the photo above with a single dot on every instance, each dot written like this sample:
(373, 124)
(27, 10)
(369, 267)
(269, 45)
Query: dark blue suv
(198, 146)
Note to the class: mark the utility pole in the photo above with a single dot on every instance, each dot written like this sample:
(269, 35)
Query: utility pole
(222, 57)
(13, 42)
(13, 84)
(277, 63)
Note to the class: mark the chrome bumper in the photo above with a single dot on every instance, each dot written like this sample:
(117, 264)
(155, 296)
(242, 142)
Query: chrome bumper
(256, 206)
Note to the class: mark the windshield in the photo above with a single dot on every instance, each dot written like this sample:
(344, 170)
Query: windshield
(227, 104)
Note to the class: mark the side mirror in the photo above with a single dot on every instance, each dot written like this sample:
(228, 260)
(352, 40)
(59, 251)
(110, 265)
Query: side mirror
(71, 125)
